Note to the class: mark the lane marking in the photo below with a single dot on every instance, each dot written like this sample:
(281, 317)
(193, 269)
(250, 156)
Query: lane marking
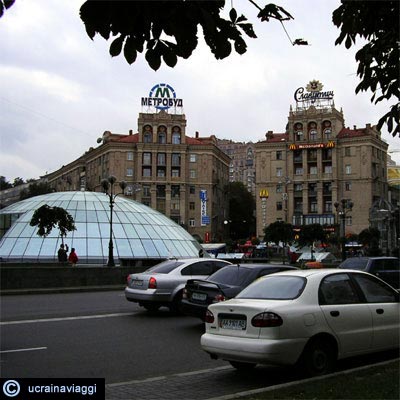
(32, 321)
(19, 350)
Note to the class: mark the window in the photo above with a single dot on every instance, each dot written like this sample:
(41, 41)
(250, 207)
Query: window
(313, 206)
(279, 171)
(298, 171)
(161, 172)
(129, 172)
(347, 186)
(328, 206)
(279, 205)
(176, 136)
(348, 169)
(192, 205)
(298, 187)
(279, 188)
(279, 155)
(313, 170)
(192, 189)
(328, 133)
(375, 291)
(176, 159)
(175, 191)
(327, 169)
(175, 172)
(192, 222)
(337, 289)
(192, 173)
(147, 134)
(146, 172)
(349, 220)
(161, 158)
(146, 158)
(129, 155)
(313, 134)
(175, 205)
(193, 157)
(146, 191)
(312, 154)
(347, 151)
(162, 135)
(160, 190)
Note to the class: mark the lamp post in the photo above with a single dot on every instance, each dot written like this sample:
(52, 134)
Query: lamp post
(343, 208)
(108, 186)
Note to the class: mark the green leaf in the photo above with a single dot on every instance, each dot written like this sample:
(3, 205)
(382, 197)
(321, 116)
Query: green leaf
(240, 46)
(153, 59)
(130, 52)
(116, 46)
(248, 30)
(170, 58)
(233, 15)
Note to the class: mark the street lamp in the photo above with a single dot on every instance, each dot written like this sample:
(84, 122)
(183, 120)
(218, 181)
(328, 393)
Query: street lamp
(108, 186)
(343, 208)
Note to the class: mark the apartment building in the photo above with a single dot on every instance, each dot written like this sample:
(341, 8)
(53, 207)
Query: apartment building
(318, 161)
(183, 177)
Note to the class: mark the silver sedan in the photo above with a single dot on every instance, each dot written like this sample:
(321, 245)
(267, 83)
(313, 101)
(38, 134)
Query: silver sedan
(162, 285)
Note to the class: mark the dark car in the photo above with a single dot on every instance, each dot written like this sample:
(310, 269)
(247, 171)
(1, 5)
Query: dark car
(222, 285)
(386, 268)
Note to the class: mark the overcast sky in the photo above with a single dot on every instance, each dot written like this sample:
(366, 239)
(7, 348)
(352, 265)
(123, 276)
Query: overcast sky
(60, 91)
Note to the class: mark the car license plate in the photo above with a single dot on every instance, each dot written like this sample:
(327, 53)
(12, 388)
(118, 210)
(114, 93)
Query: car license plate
(199, 296)
(137, 282)
(235, 324)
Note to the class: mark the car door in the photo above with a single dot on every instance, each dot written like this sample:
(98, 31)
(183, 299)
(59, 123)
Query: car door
(347, 315)
(385, 309)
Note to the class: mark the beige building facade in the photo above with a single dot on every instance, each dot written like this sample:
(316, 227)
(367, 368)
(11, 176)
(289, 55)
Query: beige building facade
(181, 176)
(317, 162)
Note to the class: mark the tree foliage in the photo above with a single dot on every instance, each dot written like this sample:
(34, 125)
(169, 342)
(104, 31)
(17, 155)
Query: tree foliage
(46, 218)
(241, 210)
(4, 5)
(278, 231)
(377, 22)
(35, 189)
(310, 234)
(4, 184)
(166, 30)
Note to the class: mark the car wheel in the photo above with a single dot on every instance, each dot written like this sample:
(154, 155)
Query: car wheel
(318, 358)
(151, 306)
(176, 303)
(242, 366)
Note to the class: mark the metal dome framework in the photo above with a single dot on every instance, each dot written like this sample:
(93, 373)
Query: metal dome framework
(139, 232)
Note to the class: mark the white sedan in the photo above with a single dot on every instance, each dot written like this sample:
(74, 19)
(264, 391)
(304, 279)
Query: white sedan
(308, 318)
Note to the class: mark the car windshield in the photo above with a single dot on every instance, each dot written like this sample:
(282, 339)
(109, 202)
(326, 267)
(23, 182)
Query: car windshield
(274, 288)
(165, 267)
(230, 275)
(354, 263)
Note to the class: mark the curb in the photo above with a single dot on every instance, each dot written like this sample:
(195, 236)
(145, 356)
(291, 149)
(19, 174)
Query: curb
(76, 289)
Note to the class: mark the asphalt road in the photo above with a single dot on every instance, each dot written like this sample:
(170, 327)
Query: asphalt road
(101, 335)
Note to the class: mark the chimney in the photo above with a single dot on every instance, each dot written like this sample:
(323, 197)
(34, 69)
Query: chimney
(368, 126)
(197, 135)
(354, 127)
(269, 135)
(130, 131)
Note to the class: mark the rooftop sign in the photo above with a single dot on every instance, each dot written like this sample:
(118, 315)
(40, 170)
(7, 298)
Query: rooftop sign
(162, 96)
(312, 93)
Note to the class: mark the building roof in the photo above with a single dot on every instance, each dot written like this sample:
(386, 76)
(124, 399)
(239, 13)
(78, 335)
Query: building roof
(139, 232)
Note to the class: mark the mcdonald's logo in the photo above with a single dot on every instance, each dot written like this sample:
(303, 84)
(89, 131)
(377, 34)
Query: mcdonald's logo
(264, 193)
(292, 147)
(330, 144)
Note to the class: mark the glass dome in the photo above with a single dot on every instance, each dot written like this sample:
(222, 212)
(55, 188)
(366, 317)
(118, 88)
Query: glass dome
(139, 232)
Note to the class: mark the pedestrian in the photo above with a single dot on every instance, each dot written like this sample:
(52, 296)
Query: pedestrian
(62, 253)
(73, 258)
